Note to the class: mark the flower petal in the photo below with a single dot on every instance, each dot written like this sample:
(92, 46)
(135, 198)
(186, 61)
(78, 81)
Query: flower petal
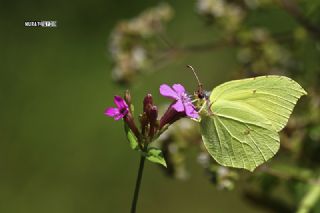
(167, 91)
(179, 89)
(111, 112)
(120, 102)
(178, 106)
(118, 116)
(190, 111)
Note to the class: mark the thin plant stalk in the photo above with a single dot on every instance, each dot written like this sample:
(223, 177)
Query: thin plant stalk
(138, 183)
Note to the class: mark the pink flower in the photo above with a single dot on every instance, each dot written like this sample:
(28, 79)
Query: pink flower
(182, 100)
(120, 111)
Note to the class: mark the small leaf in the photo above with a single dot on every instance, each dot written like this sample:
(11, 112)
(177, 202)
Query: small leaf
(131, 138)
(155, 155)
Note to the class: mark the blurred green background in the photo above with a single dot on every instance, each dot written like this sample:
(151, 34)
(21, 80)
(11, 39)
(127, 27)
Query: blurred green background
(58, 152)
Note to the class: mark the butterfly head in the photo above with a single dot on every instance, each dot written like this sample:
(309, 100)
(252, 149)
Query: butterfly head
(202, 97)
(200, 93)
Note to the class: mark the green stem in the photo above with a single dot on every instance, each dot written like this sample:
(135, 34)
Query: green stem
(138, 183)
(310, 199)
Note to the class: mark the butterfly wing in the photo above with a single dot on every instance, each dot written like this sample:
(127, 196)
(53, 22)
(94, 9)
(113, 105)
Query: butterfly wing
(247, 115)
(273, 97)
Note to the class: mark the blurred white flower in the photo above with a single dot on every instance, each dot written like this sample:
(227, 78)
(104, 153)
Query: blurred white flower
(138, 56)
(129, 41)
(204, 159)
(211, 7)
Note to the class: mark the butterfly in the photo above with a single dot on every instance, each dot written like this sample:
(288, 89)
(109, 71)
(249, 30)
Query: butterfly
(240, 120)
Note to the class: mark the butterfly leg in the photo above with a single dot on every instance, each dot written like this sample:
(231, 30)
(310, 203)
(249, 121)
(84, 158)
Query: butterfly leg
(208, 104)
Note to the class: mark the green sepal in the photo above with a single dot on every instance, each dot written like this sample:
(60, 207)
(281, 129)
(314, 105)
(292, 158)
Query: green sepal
(133, 141)
(131, 108)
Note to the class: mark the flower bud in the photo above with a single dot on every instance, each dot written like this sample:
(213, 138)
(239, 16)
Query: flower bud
(147, 103)
(153, 115)
(127, 97)
(143, 122)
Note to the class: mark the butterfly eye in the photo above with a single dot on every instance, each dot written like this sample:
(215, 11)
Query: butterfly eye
(201, 95)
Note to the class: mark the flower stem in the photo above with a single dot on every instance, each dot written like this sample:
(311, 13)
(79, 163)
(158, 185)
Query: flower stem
(138, 183)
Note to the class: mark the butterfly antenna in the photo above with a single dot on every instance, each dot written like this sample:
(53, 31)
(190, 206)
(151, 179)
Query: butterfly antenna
(195, 74)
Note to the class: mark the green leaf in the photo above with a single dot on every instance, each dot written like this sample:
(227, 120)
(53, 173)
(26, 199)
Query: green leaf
(152, 154)
(242, 131)
(155, 155)
(131, 138)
